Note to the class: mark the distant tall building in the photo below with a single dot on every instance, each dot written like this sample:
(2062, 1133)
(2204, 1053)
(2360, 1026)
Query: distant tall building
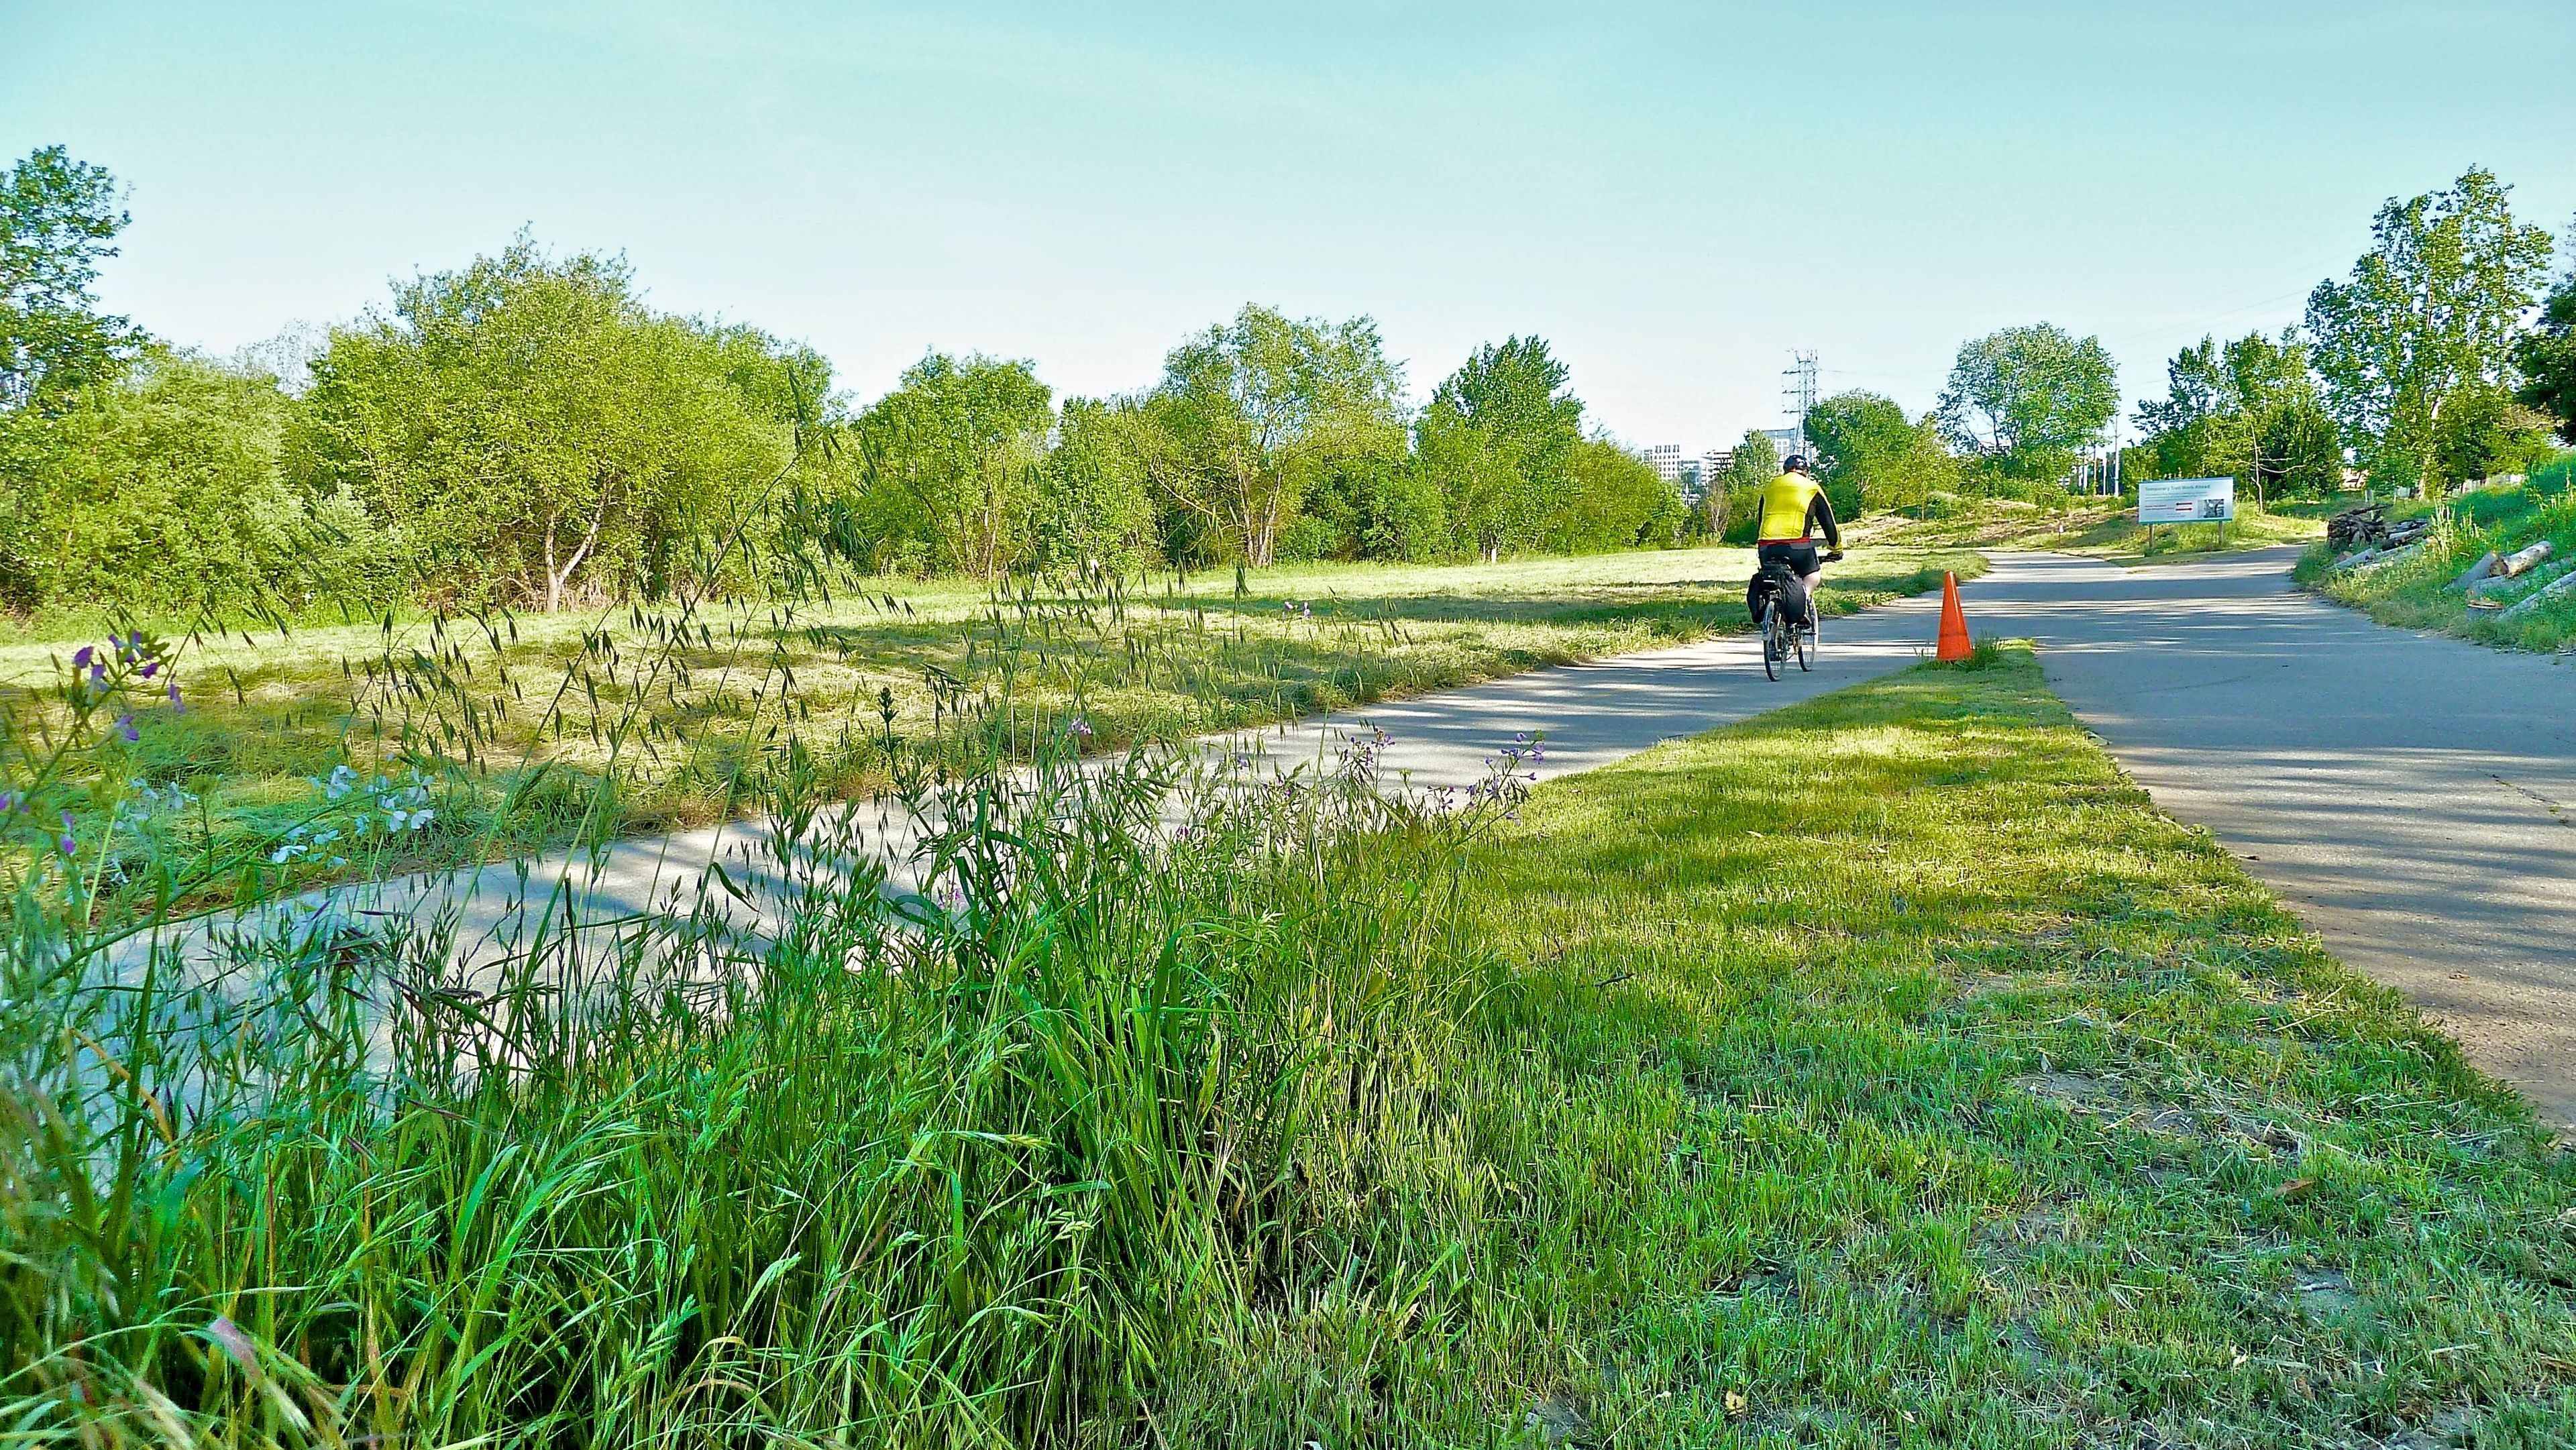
(1666, 459)
(1712, 464)
(1787, 440)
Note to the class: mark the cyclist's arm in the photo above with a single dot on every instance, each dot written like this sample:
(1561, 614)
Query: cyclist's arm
(1820, 513)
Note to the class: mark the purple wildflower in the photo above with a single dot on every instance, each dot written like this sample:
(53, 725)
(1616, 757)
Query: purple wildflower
(70, 846)
(174, 694)
(125, 727)
(82, 656)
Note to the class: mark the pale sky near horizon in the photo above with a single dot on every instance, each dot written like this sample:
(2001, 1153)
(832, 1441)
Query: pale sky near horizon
(1674, 195)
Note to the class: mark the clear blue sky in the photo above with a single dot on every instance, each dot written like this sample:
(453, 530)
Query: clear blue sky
(1674, 195)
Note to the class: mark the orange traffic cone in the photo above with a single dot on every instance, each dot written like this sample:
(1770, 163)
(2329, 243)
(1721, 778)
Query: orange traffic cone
(1954, 625)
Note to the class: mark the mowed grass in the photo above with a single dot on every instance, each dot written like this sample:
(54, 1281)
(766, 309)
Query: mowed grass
(539, 731)
(1886, 1071)
(2101, 527)
(2411, 592)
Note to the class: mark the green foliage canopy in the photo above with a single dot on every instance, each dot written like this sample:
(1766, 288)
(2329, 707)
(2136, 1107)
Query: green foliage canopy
(1870, 455)
(528, 430)
(1754, 463)
(2249, 410)
(1499, 437)
(952, 457)
(2416, 346)
(2546, 355)
(1251, 412)
(2025, 399)
(58, 218)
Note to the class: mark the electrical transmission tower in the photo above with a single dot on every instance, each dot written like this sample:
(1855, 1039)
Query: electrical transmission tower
(1798, 396)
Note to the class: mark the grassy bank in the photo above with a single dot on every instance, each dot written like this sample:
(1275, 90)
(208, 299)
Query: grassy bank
(534, 731)
(2410, 592)
(1881, 1071)
(2100, 527)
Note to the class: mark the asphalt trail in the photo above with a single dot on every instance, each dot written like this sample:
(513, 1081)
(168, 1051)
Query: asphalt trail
(2412, 797)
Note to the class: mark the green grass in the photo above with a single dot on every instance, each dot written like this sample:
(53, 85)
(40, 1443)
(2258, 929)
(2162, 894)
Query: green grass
(1888, 1062)
(1881, 1071)
(577, 727)
(2410, 592)
(2098, 527)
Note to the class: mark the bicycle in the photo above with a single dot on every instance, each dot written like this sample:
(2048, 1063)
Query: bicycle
(1785, 639)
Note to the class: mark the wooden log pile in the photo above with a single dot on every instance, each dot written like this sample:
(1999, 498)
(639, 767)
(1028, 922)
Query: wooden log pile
(2363, 534)
(2358, 527)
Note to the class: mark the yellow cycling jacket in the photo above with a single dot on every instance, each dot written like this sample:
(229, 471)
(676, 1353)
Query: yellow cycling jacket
(1793, 508)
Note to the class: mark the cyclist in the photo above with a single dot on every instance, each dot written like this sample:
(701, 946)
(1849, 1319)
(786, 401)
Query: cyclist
(1792, 508)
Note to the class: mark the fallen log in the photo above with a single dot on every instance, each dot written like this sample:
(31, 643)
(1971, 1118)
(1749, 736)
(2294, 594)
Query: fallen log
(2477, 571)
(2555, 588)
(2392, 556)
(2491, 588)
(2522, 561)
(2354, 560)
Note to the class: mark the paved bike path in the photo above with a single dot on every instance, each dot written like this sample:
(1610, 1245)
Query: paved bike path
(2412, 797)
(1592, 714)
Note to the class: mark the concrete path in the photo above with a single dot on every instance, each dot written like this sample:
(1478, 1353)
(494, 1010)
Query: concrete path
(2412, 797)
(1591, 714)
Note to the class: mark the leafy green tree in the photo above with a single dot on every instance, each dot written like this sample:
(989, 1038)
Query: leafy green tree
(531, 431)
(1753, 464)
(58, 218)
(2426, 325)
(1612, 499)
(1383, 504)
(2546, 355)
(2249, 410)
(2026, 399)
(1872, 456)
(957, 450)
(1092, 507)
(1499, 436)
(2488, 433)
(162, 492)
(1251, 412)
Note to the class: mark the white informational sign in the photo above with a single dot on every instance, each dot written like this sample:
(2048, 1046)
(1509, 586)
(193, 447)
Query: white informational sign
(2187, 501)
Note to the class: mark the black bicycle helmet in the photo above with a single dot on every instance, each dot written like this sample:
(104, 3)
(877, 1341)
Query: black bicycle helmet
(1797, 464)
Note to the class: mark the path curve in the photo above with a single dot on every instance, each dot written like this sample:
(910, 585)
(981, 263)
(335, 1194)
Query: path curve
(1592, 714)
(2412, 797)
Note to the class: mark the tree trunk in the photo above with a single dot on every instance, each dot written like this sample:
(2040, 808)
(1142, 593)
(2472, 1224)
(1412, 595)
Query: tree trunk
(558, 580)
(2523, 561)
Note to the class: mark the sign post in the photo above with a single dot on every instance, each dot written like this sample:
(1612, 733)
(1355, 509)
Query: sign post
(2187, 501)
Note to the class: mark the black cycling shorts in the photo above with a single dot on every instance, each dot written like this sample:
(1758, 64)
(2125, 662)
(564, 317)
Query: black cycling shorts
(1799, 555)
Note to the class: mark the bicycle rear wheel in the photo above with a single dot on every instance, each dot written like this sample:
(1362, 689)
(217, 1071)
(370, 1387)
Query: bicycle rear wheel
(1807, 645)
(1771, 643)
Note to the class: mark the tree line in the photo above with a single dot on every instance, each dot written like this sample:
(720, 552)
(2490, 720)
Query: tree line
(528, 430)
(2446, 354)
(2438, 359)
